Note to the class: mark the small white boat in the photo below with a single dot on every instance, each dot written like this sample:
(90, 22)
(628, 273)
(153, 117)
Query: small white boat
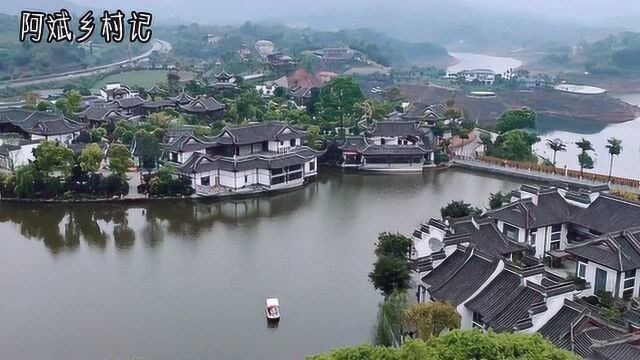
(272, 309)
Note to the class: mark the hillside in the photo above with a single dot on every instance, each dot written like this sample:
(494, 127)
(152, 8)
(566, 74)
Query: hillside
(28, 59)
(188, 41)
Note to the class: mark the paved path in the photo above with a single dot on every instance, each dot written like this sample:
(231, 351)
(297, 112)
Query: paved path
(158, 45)
(532, 175)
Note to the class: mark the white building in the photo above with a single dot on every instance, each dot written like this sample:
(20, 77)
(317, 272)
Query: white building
(260, 157)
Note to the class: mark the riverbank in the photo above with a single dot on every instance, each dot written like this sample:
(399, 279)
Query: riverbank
(593, 108)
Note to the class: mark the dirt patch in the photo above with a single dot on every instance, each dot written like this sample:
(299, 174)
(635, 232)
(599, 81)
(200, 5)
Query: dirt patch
(597, 108)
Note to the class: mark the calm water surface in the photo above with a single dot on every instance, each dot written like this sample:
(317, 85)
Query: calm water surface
(627, 164)
(180, 280)
(469, 61)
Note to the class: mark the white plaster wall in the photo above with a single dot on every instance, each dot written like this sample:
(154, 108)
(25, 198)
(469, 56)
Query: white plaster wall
(23, 155)
(590, 276)
(307, 168)
(554, 304)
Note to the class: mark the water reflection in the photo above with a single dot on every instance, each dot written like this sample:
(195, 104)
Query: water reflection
(63, 227)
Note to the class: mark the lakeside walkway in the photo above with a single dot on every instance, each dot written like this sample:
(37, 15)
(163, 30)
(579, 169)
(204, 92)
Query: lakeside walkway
(479, 165)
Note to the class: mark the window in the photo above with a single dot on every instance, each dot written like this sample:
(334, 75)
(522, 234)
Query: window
(246, 179)
(292, 142)
(510, 231)
(478, 321)
(556, 236)
(601, 280)
(582, 270)
(205, 181)
(629, 280)
(312, 166)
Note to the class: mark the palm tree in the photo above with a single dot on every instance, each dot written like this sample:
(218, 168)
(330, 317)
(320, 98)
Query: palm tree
(555, 146)
(583, 158)
(615, 148)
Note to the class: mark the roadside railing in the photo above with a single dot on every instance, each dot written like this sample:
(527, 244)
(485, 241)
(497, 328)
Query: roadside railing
(545, 169)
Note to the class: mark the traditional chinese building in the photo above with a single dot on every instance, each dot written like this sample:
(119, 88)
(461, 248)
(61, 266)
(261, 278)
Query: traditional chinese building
(389, 146)
(251, 158)
(204, 106)
(38, 125)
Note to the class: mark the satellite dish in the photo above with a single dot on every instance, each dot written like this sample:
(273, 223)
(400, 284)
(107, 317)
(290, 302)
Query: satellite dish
(435, 244)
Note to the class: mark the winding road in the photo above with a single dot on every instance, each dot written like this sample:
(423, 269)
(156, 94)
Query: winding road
(158, 45)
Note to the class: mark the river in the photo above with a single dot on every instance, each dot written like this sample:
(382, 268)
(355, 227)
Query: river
(187, 280)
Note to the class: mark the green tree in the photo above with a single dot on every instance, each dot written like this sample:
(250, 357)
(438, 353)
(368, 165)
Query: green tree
(487, 141)
(159, 120)
(45, 105)
(431, 319)
(390, 315)
(458, 345)
(119, 160)
(390, 274)
(516, 145)
(339, 99)
(74, 101)
(439, 129)
(97, 134)
(394, 245)
(615, 148)
(313, 137)
(25, 181)
(458, 209)
(497, 200)
(524, 118)
(555, 146)
(148, 149)
(61, 104)
(91, 158)
(53, 157)
(585, 160)
(173, 81)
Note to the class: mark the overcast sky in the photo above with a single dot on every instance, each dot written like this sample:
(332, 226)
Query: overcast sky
(216, 11)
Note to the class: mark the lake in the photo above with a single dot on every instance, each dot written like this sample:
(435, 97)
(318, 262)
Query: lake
(469, 61)
(188, 279)
(570, 131)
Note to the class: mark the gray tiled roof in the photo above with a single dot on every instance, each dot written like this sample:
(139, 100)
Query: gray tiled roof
(446, 269)
(575, 329)
(202, 104)
(182, 98)
(396, 129)
(199, 163)
(129, 102)
(619, 251)
(256, 133)
(604, 214)
(101, 112)
(187, 143)
(499, 294)
(517, 310)
(465, 281)
(39, 123)
(486, 236)
(615, 350)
